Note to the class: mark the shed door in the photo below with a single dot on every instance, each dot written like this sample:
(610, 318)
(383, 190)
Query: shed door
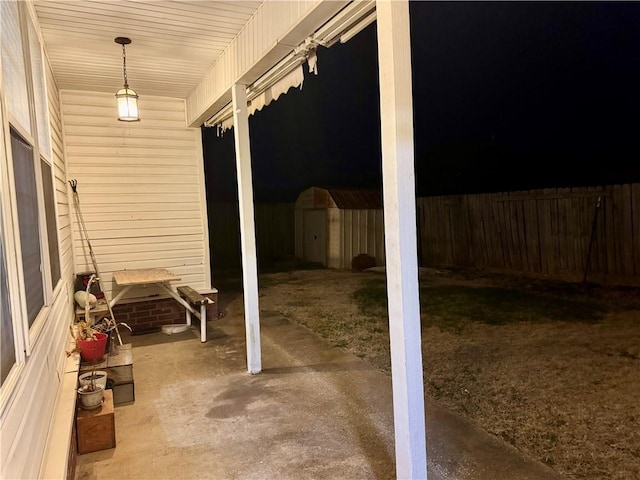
(315, 236)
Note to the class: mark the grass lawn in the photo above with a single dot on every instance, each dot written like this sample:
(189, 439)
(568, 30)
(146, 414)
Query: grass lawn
(552, 368)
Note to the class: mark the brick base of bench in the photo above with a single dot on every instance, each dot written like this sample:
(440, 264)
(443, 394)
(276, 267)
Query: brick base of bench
(152, 314)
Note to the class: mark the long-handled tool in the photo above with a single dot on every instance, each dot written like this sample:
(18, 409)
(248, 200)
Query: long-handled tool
(76, 202)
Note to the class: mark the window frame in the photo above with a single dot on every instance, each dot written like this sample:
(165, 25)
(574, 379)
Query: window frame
(25, 337)
(11, 263)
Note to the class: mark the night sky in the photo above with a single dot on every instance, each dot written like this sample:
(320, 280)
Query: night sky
(507, 96)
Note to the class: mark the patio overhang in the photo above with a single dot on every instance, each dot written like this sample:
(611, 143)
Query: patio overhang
(194, 59)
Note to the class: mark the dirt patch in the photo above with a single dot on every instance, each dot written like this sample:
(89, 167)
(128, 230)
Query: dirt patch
(552, 368)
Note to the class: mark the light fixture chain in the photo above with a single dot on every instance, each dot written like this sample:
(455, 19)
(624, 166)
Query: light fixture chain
(124, 65)
(127, 98)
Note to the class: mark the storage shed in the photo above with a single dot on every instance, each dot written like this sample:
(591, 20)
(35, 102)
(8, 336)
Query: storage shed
(334, 225)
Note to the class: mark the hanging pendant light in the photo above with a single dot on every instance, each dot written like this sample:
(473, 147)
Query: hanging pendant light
(127, 97)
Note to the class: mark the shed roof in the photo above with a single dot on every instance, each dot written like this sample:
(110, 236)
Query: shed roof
(342, 198)
(356, 199)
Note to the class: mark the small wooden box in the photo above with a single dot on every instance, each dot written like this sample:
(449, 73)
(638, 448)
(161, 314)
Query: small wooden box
(96, 429)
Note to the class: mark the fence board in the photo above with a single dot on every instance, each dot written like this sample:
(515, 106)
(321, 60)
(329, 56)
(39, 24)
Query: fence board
(601, 233)
(521, 239)
(475, 225)
(511, 225)
(517, 247)
(580, 239)
(626, 229)
(505, 234)
(459, 232)
(609, 247)
(618, 228)
(466, 229)
(590, 212)
(429, 244)
(502, 234)
(496, 231)
(539, 231)
(448, 244)
(584, 225)
(555, 234)
(544, 231)
(563, 232)
(436, 224)
(440, 233)
(635, 219)
(531, 235)
(544, 226)
(490, 248)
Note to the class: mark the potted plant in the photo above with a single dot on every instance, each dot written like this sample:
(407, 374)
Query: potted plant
(90, 394)
(90, 343)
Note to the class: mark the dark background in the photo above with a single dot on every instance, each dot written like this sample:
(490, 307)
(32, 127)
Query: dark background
(507, 96)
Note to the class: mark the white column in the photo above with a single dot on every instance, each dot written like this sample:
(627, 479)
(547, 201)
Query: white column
(247, 228)
(396, 111)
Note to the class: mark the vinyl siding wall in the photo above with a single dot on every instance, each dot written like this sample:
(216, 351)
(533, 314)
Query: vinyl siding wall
(141, 189)
(27, 424)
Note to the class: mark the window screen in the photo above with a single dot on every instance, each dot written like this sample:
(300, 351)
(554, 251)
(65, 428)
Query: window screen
(52, 224)
(27, 203)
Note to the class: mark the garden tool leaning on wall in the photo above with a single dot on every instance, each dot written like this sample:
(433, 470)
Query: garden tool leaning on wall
(98, 277)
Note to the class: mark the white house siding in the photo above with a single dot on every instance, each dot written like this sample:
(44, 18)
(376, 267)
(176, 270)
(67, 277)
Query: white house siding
(26, 425)
(362, 231)
(334, 238)
(275, 29)
(59, 434)
(140, 186)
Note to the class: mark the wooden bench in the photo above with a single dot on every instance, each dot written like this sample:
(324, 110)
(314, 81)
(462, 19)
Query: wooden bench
(199, 304)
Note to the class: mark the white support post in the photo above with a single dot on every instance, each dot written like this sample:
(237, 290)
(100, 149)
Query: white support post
(396, 112)
(247, 228)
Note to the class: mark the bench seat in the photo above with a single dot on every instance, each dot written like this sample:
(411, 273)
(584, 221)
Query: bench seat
(198, 302)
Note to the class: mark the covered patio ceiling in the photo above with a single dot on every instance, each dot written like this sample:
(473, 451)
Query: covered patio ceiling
(191, 49)
(174, 42)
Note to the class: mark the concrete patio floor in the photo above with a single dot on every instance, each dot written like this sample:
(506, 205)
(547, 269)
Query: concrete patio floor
(314, 413)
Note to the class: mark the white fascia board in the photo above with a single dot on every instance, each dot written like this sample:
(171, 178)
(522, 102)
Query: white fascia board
(341, 27)
(214, 90)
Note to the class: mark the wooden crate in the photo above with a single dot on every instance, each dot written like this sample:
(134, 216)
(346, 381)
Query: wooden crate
(119, 370)
(96, 429)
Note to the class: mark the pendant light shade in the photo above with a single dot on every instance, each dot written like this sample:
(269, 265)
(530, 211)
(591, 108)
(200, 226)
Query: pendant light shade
(127, 105)
(127, 97)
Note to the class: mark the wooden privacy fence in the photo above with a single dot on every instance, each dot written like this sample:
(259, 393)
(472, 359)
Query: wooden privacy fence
(274, 233)
(552, 231)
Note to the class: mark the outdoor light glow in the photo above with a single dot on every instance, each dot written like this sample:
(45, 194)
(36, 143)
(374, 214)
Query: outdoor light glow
(127, 105)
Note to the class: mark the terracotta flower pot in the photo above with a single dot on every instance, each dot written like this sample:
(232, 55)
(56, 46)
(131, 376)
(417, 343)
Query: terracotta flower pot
(93, 350)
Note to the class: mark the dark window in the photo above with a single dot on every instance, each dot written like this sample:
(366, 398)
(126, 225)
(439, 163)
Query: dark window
(27, 205)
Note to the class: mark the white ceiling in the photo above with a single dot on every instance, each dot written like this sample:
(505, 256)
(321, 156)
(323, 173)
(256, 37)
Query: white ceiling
(174, 42)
